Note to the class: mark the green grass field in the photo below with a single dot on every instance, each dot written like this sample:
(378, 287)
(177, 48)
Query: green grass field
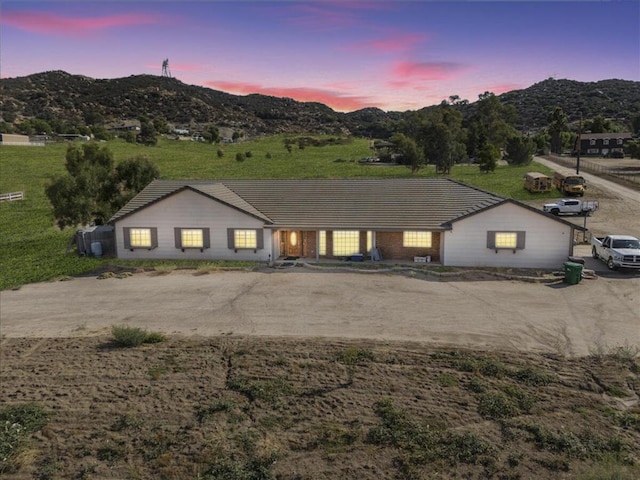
(33, 249)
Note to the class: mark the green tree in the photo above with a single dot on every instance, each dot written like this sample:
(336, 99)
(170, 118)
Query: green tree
(131, 176)
(160, 125)
(493, 122)
(488, 157)
(211, 134)
(93, 190)
(633, 148)
(147, 132)
(599, 124)
(520, 150)
(557, 126)
(409, 153)
(439, 133)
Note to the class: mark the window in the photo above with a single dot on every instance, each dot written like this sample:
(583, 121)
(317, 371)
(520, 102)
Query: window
(416, 239)
(605, 141)
(322, 242)
(620, 141)
(245, 238)
(192, 238)
(505, 240)
(592, 142)
(346, 242)
(369, 241)
(140, 237)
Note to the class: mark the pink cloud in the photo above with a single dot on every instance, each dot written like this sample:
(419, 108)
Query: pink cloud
(397, 43)
(48, 23)
(336, 100)
(426, 70)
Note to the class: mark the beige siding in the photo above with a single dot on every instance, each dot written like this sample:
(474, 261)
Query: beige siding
(548, 243)
(188, 209)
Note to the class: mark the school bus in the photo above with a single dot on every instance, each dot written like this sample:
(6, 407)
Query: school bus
(537, 182)
(570, 184)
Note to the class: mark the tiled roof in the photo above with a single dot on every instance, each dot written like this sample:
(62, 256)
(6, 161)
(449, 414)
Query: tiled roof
(392, 204)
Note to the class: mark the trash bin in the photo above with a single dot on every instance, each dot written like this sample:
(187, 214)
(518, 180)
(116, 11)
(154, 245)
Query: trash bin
(572, 273)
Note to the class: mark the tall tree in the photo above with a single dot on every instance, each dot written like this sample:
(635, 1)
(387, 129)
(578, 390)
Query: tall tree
(493, 122)
(409, 153)
(557, 125)
(92, 190)
(488, 157)
(520, 150)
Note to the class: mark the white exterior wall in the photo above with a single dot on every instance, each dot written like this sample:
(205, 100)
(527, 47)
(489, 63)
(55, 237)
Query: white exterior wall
(189, 209)
(548, 243)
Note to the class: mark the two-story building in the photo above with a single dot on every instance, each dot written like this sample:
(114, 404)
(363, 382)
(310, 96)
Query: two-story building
(603, 144)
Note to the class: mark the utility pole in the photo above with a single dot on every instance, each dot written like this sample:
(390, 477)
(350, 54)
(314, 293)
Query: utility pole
(579, 145)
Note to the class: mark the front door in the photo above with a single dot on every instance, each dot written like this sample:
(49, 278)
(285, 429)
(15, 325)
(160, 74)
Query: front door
(291, 243)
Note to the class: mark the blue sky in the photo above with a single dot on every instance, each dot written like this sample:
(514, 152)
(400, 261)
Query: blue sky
(394, 55)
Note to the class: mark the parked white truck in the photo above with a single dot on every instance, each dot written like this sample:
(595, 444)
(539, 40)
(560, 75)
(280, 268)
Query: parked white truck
(618, 251)
(570, 206)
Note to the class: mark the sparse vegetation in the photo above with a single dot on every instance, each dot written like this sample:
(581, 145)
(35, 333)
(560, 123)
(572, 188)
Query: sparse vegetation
(17, 423)
(231, 407)
(127, 336)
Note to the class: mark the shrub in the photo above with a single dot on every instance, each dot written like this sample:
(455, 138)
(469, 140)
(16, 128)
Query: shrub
(239, 157)
(355, 355)
(496, 405)
(220, 153)
(125, 336)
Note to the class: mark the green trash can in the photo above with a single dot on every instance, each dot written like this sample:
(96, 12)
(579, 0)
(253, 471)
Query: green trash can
(572, 273)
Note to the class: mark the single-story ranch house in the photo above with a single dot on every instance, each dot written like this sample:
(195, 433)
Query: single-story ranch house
(433, 219)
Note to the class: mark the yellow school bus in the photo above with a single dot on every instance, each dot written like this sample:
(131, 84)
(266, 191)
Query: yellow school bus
(537, 182)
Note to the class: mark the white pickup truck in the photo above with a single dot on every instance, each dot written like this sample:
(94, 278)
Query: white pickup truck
(618, 251)
(569, 206)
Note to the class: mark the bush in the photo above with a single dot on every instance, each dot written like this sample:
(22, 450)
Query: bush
(125, 336)
(239, 157)
(496, 405)
(355, 355)
(617, 154)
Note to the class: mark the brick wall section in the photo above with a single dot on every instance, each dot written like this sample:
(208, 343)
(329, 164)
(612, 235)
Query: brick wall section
(309, 244)
(390, 245)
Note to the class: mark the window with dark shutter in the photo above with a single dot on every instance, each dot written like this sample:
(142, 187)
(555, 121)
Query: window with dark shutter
(498, 240)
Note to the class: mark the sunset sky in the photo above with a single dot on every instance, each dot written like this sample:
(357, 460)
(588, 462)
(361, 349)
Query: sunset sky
(394, 55)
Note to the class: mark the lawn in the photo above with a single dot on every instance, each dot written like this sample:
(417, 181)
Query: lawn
(34, 249)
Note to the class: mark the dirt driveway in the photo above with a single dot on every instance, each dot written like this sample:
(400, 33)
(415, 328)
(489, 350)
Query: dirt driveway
(494, 314)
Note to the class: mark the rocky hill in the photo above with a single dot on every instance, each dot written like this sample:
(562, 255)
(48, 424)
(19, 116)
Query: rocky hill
(80, 100)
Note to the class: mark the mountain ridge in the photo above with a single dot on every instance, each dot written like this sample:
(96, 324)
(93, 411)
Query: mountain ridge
(82, 100)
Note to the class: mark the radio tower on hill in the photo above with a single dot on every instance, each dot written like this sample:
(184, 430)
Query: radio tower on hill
(165, 68)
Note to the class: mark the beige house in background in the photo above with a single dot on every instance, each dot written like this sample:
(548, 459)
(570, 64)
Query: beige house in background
(409, 219)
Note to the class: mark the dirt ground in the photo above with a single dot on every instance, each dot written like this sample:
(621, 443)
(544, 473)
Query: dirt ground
(307, 374)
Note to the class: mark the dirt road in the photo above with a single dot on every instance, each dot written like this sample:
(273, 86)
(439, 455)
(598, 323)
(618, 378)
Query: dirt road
(488, 314)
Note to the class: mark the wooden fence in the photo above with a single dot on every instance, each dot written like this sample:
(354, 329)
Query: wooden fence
(10, 197)
(627, 174)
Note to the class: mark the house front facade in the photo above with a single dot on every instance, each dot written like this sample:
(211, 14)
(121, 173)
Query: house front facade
(436, 220)
(603, 144)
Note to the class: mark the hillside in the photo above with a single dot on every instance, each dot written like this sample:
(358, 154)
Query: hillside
(80, 100)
